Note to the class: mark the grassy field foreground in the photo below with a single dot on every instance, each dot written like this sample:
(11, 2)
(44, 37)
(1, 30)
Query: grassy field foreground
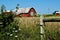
(30, 29)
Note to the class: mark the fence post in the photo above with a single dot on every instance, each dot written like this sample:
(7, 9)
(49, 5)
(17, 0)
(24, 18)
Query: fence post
(41, 28)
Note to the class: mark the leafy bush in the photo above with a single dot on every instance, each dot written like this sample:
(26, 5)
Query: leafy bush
(49, 15)
(9, 28)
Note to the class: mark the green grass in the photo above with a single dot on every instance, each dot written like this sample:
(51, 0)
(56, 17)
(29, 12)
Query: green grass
(52, 30)
(30, 29)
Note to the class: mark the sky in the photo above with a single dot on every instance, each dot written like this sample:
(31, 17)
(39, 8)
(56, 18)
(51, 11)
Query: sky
(41, 6)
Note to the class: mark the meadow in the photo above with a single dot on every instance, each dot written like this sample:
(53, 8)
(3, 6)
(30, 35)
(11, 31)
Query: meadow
(30, 29)
(52, 30)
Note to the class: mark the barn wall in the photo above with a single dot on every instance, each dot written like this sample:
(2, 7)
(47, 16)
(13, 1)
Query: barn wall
(57, 14)
(24, 15)
(6, 12)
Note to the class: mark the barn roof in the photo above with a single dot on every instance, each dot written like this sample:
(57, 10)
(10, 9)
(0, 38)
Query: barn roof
(57, 12)
(22, 10)
(7, 10)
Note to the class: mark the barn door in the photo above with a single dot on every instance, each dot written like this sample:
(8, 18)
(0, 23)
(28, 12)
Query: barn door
(32, 14)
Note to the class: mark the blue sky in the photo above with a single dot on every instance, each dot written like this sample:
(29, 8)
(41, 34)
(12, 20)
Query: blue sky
(41, 6)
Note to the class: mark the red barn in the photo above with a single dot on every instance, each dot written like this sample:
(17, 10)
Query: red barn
(25, 12)
(7, 12)
(57, 13)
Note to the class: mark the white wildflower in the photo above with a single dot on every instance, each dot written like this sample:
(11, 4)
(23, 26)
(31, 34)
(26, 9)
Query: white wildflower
(11, 34)
(13, 28)
(19, 29)
(16, 36)
(16, 30)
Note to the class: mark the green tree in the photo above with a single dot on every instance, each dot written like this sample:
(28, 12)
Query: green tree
(3, 19)
(54, 12)
(3, 8)
(17, 7)
(38, 15)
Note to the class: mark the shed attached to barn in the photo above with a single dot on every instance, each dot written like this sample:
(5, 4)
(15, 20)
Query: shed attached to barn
(57, 13)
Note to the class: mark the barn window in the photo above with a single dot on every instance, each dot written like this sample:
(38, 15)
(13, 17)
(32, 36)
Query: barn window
(32, 14)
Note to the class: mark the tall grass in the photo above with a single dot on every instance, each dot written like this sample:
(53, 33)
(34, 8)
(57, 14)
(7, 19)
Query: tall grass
(52, 30)
(30, 29)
